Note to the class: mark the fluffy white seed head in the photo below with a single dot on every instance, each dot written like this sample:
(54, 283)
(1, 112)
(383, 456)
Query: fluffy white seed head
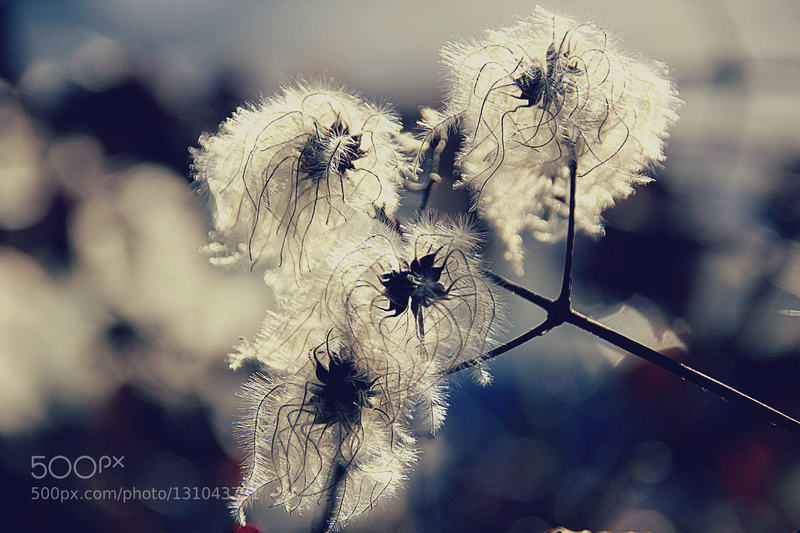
(420, 295)
(283, 173)
(530, 97)
(342, 410)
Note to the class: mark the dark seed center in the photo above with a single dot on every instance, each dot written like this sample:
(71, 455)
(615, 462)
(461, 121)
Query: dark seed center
(331, 149)
(342, 392)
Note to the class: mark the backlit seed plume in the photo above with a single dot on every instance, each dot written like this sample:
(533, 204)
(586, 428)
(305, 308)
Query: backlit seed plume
(324, 304)
(283, 173)
(421, 293)
(338, 425)
(531, 97)
(283, 339)
(292, 327)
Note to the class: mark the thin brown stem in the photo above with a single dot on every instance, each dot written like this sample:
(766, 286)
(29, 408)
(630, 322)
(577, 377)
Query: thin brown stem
(556, 317)
(519, 290)
(426, 194)
(685, 372)
(566, 282)
(333, 500)
(437, 147)
(538, 331)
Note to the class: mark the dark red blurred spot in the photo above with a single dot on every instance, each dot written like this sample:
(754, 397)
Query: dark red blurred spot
(746, 467)
(246, 529)
(650, 382)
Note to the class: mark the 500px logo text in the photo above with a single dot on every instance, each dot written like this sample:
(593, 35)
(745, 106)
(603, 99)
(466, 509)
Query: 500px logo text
(84, 467)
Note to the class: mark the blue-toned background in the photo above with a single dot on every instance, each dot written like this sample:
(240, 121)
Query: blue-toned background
(114, 329)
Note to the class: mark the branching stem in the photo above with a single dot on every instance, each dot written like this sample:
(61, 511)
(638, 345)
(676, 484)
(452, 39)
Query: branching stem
(557, 316)
(519, 290)
(707, 383)
(560, 311)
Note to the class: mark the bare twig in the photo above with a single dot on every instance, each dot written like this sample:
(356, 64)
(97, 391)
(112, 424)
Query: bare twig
(333, 500)
(538, 331)
(556, 317)
(519, 290)
(679, 369)
(566, 283)
(437, 146)
(433, 179)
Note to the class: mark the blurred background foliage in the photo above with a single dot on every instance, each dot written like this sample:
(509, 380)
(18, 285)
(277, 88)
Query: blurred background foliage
(113, 328)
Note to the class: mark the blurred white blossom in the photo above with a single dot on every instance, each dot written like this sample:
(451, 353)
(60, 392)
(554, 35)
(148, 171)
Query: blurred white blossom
(139, 241)
(26, 186)
(46, 346)
(640, 319)
(78, 165)
(136, 238)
